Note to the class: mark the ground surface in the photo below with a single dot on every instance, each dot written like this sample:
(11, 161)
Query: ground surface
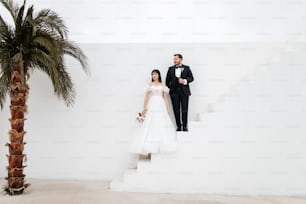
(94, 192)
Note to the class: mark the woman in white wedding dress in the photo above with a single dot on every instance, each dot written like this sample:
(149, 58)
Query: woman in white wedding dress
(156, 134)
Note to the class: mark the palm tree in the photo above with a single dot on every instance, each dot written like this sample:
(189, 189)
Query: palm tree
(34, 42)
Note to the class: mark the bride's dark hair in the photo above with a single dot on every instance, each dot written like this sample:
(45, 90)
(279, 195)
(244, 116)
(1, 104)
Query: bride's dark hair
(157, 72)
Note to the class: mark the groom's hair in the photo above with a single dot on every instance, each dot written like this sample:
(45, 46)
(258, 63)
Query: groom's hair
(179, 56)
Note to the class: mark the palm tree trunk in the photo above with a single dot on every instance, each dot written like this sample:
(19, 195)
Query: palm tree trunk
(16, 157)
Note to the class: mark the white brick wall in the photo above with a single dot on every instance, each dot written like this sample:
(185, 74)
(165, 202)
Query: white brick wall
(89, 139)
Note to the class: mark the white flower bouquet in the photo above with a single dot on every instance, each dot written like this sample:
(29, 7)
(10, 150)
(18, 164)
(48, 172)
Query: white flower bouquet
(140, 117)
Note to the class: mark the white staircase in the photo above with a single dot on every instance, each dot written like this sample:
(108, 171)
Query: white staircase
(211, 161)
(253, 144)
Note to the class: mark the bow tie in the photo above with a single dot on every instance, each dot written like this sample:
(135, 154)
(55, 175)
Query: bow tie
(178, 66)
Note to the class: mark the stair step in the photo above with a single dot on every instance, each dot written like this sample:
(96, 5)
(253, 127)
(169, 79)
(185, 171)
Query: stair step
(129, 172)
(143, 165)
(116, 185)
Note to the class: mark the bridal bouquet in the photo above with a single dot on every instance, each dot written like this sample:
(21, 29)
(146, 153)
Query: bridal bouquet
(140, 117)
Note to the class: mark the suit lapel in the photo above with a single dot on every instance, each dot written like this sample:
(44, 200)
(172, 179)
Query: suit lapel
(184, 69)
(173, 69)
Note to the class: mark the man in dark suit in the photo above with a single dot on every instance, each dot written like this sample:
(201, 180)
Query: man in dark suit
(177, 80)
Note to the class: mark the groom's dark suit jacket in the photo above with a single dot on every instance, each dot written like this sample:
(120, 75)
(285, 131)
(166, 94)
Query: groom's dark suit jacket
(172, 81)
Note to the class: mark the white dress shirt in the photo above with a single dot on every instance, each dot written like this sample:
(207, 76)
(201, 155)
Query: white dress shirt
(178, 72)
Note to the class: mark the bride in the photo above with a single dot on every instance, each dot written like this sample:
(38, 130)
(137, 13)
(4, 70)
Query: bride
(156, 133)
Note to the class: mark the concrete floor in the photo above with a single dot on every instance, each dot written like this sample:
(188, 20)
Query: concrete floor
(94, 192)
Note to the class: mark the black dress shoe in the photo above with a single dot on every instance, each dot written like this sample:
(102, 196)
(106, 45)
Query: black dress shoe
(185, 129)
(178, 129)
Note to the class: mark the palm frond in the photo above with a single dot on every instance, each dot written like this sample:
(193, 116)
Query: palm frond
(48, 18)
(19, 19)
(3, 25)
(60, 78)
(75, 51)
(29, 15)
(4, 87)
(11, 7)
(6, 31)
(39, 57)
(65, 85)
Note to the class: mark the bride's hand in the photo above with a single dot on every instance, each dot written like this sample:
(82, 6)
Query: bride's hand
(144, 111)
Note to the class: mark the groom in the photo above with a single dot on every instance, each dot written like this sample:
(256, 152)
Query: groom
(177, 80)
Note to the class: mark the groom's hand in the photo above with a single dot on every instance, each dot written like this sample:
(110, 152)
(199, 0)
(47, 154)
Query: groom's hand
(181, 81)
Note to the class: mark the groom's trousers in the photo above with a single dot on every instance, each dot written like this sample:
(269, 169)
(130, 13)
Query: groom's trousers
(180, 104)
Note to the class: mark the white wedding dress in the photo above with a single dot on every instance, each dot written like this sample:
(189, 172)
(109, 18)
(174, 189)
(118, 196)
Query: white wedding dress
(157, 133)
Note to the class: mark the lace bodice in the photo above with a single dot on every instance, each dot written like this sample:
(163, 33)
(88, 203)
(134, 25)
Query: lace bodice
(157, 90)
